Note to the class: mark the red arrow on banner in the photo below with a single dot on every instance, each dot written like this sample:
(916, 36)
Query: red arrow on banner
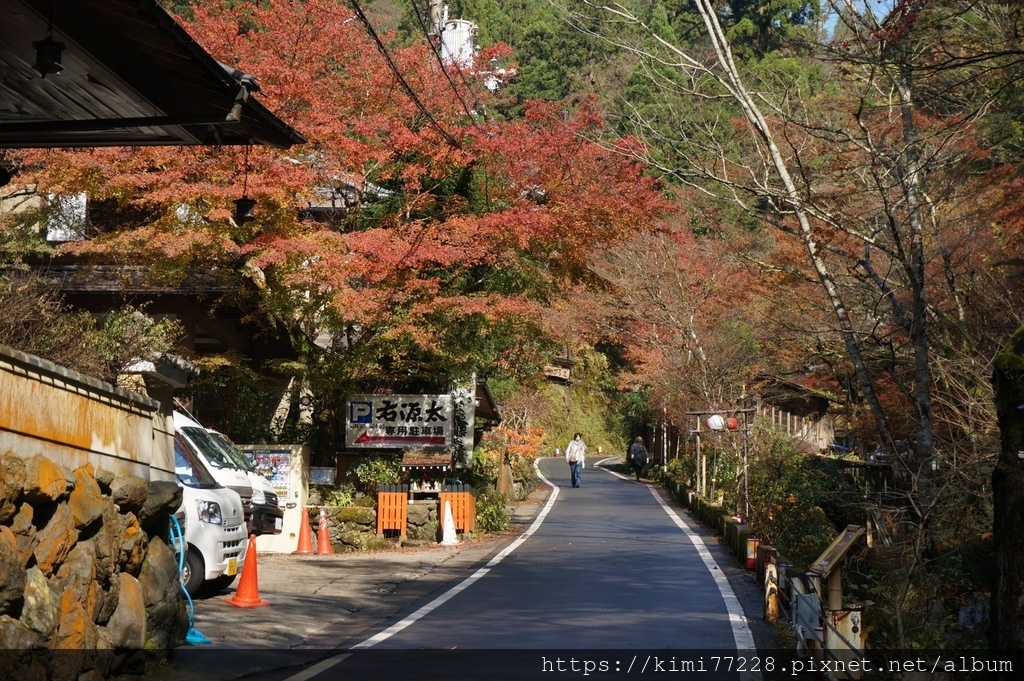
(367, 439)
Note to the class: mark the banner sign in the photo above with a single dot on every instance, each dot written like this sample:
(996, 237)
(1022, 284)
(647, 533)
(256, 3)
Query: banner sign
(398, 421)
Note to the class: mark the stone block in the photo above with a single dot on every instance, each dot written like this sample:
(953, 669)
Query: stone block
(86, 501)
(418, 514)
(53, 543)
(163, 498)
(107, 543)
(129, 492)
(78, 574)
(127, 626)
(12, 482)
(105, 479)
(44, 480)
(75, 630)
(16, 636)
(12, 570)
(132, 546)
(166, 610)
(24, 532)
(39, 612)
(159, 574)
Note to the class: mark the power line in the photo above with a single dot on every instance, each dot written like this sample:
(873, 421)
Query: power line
(401, 80)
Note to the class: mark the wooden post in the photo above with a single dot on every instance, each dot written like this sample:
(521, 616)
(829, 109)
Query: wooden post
(835, 589)
(1006, 631)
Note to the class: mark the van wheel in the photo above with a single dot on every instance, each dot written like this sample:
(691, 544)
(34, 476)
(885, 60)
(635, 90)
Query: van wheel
(192, 572)
(220, 583)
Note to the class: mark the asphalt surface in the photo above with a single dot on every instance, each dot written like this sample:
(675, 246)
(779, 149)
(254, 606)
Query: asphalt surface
(606, 567)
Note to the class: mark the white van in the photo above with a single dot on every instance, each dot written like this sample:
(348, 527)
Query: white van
(267, 515)
(224, 469)
(214, 524)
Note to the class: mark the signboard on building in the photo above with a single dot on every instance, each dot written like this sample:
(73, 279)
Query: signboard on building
(398, 421)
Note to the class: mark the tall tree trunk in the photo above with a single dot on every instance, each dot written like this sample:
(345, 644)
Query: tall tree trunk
(911, 180)
(1007, 624)
(755, 117)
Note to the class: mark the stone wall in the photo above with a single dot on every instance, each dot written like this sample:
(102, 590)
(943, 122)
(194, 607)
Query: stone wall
(88, 581)
(354, 528)
(351, 528)
(422, 521)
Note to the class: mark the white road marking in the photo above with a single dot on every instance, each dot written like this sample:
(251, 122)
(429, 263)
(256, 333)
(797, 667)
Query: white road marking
(464, 584)
(318, 667)
(740, 631)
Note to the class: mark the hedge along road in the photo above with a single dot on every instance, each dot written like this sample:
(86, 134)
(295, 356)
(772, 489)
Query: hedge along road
(608, 566)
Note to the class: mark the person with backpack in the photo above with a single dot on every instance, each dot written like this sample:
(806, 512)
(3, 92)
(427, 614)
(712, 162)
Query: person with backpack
(638, 456)
(574, 455)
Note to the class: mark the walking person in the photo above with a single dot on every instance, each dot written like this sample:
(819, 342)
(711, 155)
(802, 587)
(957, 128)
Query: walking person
(638, 456)
(575, 452)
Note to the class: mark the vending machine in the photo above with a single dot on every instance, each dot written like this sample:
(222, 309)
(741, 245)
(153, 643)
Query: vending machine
(287, 468)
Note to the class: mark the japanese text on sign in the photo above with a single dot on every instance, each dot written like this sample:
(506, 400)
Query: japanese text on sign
(399, 421)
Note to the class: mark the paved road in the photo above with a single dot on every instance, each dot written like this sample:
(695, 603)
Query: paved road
(608, 575)
(608, 566)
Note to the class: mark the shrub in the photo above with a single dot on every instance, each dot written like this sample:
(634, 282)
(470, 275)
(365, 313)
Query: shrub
(492, 512)
(375, 470)
(485, 469)
(786, 494)
(340, 495)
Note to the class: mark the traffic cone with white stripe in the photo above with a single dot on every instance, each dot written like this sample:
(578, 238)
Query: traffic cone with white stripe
(323, 536)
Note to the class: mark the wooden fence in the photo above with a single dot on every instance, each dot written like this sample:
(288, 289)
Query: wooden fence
(463, 507)
(392, 508)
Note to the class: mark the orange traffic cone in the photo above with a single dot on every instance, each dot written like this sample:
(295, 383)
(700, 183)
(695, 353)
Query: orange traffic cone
(305, 536)
(323, 536)
(248, 593)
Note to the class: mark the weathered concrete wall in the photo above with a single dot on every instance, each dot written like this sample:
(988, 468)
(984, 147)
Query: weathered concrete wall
(88, 582)
(77, 420)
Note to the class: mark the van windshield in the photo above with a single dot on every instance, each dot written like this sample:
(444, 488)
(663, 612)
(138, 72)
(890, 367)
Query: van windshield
(210, 448)
(240, 459)
(188, 469)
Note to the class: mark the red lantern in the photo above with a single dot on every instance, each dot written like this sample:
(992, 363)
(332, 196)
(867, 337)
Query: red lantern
(732, 423)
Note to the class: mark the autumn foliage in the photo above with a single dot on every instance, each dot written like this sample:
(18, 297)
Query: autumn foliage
(462, 223)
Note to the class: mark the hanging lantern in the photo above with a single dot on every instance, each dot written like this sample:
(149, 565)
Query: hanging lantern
(732, 423)
(716, 422)
(48, 53)
(244, 210)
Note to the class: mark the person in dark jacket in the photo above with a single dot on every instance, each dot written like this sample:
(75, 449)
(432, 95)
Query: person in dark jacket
(638, 456)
